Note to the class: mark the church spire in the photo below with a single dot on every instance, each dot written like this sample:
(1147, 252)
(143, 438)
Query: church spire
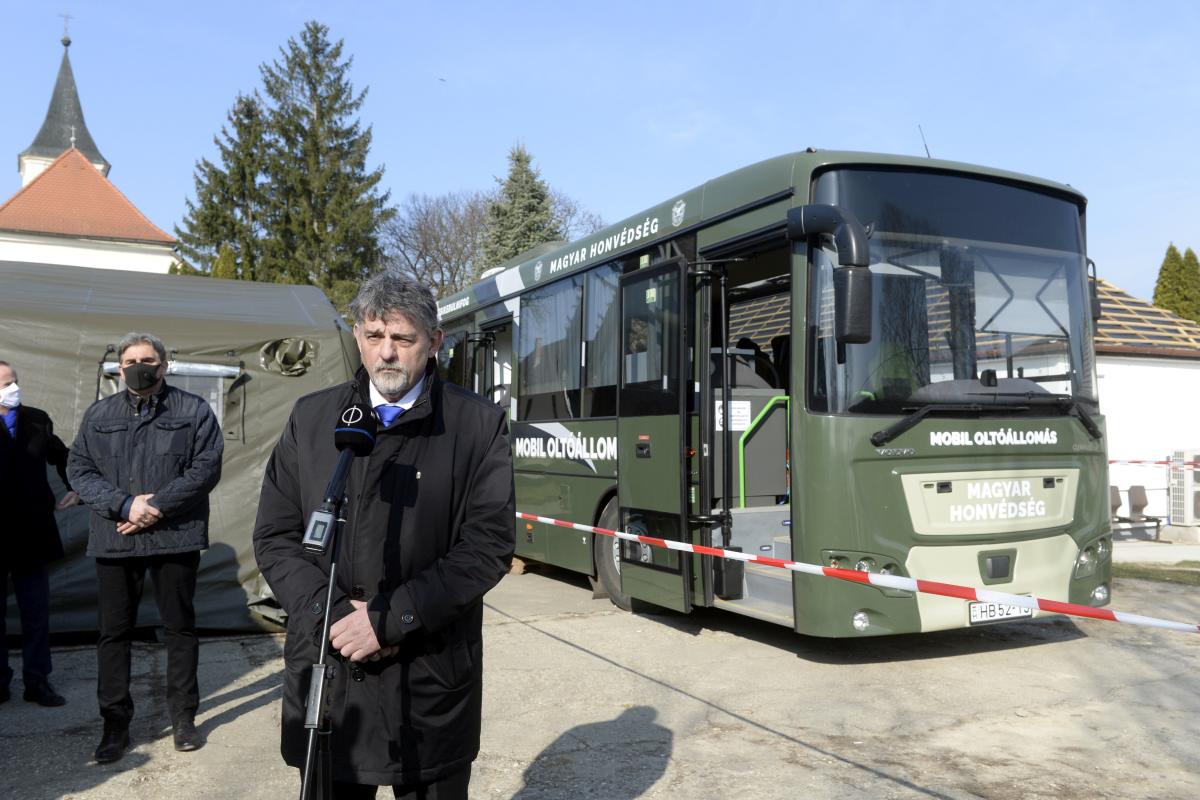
(63, 127)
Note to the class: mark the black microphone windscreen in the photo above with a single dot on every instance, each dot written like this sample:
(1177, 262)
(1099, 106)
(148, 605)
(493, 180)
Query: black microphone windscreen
(355, 430)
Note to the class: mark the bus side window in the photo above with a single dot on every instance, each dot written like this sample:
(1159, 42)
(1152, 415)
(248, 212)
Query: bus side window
(549, 351)
(602, 328)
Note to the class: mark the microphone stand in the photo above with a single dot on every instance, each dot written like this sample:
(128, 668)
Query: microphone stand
(318, 756)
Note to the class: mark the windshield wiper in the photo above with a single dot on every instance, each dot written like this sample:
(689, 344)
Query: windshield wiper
(1064, 402)
(880, 438)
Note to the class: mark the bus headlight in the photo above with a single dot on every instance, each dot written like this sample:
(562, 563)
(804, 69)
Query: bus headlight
(865, 565)
(1103, 548)
(860, 621)
(1100, 595)
(1085, 563)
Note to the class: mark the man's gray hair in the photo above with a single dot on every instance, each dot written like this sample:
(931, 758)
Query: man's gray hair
(132, 338)
(388, 293)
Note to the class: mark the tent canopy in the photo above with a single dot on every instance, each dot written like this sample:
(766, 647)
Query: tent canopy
(251, 349)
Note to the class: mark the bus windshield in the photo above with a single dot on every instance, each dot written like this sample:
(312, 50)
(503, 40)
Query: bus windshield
(979, 292)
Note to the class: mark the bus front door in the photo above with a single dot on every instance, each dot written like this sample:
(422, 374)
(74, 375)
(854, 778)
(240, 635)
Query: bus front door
(651, 413)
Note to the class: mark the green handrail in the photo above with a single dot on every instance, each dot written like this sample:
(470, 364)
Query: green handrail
(774, 401)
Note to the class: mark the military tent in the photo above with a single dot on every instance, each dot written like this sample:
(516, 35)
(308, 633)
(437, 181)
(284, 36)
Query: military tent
(249, 348)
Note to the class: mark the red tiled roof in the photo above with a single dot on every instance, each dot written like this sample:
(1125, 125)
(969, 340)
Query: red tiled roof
(72, 198)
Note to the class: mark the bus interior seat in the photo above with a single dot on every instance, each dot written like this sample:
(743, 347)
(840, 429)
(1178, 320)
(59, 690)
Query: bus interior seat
(761, 361)
(742, 370)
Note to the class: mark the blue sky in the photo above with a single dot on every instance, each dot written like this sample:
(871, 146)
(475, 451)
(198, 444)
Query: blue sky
(623, 104)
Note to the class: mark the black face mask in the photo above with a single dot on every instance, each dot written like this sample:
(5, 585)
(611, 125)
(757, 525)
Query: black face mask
(140, 377)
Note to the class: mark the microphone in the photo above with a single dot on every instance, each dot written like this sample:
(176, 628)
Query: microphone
(353, 436)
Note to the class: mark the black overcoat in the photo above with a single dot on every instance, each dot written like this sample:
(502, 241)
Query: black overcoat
(429, 530)
(30, 537)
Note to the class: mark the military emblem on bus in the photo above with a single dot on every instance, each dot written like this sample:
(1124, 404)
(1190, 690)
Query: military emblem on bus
(677, 212)
(537, 271)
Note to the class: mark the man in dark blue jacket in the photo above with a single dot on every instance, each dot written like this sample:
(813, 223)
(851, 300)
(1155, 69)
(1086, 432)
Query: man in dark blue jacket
(27, 445)
(144, 461)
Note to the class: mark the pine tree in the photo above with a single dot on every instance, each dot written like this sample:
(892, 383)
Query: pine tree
(225, 265)
(1191, 283)
(327, 210)
(1170, 290)
(522, 215)
(231, 206)
(289, 198)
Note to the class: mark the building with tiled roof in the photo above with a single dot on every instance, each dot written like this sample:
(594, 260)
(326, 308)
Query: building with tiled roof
(71, 198)
(1136, 327)
(67, 211)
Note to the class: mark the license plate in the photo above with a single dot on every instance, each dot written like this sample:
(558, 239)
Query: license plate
(983, 613)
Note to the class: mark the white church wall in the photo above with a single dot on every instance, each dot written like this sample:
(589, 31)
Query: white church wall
(1151, 409)
(94, 253)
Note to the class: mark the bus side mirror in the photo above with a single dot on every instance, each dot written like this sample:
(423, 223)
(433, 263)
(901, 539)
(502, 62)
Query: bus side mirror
(848, 233)
(852, 303)
(1094, 290)
(851, 278)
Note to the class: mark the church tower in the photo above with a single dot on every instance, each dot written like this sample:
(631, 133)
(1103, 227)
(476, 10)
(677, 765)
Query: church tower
(67, 211)
(62, 129)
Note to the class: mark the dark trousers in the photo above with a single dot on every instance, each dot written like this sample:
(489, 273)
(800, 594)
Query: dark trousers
(120, 582)
(451, 787)
(31, 585)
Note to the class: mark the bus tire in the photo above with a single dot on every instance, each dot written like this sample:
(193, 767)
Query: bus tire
(605, 552)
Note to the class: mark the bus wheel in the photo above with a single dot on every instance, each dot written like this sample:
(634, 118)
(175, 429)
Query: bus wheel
(606, 552)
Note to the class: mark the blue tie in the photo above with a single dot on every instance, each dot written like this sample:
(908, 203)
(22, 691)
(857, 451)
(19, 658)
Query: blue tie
(388, 413)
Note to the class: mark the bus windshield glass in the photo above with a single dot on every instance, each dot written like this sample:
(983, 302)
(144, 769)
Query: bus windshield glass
(979, 297)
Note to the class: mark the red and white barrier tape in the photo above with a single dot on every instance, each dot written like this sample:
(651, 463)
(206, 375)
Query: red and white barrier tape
(889, 581)
(1147, 463)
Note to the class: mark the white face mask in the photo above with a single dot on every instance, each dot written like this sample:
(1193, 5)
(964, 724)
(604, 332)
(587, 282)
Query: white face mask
(10, 396)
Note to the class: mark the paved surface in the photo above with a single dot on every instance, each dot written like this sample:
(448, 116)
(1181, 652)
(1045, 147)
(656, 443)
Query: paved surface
(584, 701)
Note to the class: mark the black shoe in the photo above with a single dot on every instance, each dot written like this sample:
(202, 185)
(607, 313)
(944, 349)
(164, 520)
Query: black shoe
(187, 738)
(44, 695)
(112, 745)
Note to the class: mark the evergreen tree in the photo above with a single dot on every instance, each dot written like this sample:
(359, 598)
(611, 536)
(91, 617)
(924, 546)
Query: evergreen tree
(231, 206)
(1191, 283)
(289, 198)
(226, 264)
(521, 216)
(327, 210)
(1170, 290)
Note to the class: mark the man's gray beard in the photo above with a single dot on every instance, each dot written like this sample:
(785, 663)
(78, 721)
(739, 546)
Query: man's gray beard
(391, 380)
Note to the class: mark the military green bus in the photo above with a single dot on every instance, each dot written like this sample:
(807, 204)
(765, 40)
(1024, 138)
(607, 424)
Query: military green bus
(872, 362)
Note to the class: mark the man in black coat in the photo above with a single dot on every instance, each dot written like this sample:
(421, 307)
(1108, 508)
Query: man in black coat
(144, 461)
(429, 530)
(27, 445)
